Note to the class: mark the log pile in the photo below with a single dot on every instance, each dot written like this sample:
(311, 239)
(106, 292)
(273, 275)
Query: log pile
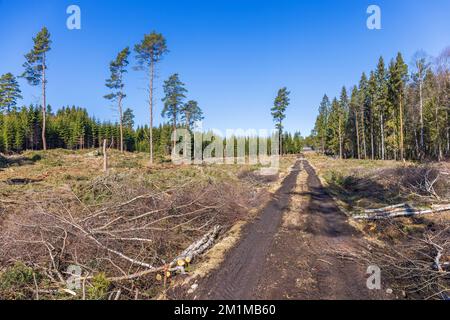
(399, 210)
(199, 247)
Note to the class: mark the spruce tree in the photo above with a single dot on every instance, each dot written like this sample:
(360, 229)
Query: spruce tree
(128, 118)
(364, 104)
(398, 78)
(342, 120)
(334, 139)
(9, 92)
(174, 91)
(354, 121)
(321, 127)
(381, 102)
(421, 66)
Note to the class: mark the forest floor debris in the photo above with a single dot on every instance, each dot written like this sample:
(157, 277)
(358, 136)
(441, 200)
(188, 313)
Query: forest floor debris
(126, 230)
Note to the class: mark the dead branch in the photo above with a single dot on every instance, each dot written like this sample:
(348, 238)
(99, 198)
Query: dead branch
(131, 230)
(192, 252)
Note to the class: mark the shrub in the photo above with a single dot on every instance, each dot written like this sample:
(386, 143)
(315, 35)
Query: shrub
(99, 287)
(14, 280)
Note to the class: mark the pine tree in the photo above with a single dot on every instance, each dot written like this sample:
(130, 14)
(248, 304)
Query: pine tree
(148, 53)
(116, 84)
(281, 103)
(35, 71)
(191, 113)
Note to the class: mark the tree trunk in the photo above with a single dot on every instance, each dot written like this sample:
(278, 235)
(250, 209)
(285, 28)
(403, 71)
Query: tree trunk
(323, 145)
(364, 134)
(280, 141)
(188, 128)
(448, 132)
(44, 106)
(121, 123)
(372, 138)
(175, 138)
(382, 136)
(417, 144)
(421, 117)
(340, 139)
(152, 74)
(402, 145)
(448, 140)
(105, 157)
(438, 133)
(357, 134)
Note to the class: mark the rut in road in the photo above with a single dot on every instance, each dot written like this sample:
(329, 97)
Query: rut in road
(285, 253)
(239, 272)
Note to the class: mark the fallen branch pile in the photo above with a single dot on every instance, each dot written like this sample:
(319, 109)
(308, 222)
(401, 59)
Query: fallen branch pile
(417, 266)
(130, 234)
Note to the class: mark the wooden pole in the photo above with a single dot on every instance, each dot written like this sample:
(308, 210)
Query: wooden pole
(105, 157)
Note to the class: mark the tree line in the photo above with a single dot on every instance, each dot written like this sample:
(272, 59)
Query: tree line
(73, 128)
(37, 127)
(398, 112)
(148, 53)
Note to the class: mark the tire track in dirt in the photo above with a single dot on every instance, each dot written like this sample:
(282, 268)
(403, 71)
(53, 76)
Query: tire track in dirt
(304, 263)
(238, 275)
(295, 259)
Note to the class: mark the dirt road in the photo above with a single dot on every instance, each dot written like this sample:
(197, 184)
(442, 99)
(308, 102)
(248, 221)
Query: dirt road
(289, 252)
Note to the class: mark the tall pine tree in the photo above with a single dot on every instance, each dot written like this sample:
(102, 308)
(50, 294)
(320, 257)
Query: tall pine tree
(149, 52)
(116, 84)
(35, 71)
(280, 105)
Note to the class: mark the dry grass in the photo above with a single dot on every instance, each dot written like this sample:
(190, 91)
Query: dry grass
(365, 184)
(58, 209)
(406, 249)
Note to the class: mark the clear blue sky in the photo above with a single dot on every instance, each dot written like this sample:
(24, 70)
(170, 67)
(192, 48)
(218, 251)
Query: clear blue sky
(233, 55)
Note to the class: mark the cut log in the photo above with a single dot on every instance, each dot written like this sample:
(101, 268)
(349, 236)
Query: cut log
(402, 205)
(191, 252)
(400, 213)
(199, 247)
(437, 260)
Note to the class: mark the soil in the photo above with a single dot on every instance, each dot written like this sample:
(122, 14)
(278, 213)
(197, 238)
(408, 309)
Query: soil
(290, 251)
